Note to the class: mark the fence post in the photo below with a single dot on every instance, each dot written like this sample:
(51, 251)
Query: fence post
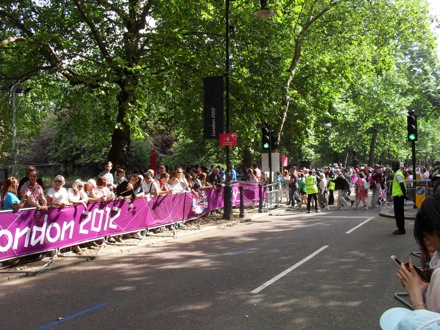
(241, 202)
(260, 202)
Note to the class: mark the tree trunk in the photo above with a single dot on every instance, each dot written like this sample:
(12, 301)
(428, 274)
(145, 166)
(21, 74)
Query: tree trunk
(372, 147)
(121, 139)
(248, 158)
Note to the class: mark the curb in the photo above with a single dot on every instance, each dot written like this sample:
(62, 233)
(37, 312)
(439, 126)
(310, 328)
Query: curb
(410, 213)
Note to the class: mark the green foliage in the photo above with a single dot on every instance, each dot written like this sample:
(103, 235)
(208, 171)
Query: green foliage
(334, 78)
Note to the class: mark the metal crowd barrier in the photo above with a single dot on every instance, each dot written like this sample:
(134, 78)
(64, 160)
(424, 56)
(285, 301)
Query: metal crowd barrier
(272, 199)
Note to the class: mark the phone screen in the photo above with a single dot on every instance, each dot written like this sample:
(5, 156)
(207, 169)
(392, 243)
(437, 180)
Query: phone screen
(418, 271)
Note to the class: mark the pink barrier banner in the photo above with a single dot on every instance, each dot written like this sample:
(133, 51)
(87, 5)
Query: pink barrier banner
(31, 231)
(250, 191)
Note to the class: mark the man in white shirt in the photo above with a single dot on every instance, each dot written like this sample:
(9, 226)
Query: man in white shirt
(107, 174)
(149, 185)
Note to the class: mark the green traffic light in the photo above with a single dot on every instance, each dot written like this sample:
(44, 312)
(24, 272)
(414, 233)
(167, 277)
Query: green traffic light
(412, 137)
(266, 145)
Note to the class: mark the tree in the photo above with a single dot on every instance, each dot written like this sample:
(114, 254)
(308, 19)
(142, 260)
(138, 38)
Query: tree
(330, 75)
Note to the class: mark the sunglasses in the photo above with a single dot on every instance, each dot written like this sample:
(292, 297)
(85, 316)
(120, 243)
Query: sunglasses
(58, 181)
(79, 186)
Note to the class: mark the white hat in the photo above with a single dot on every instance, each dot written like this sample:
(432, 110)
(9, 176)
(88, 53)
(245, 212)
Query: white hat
(404, 319)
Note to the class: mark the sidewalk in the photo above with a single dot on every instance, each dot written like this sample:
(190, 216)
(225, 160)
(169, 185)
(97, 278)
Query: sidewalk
(410, 212)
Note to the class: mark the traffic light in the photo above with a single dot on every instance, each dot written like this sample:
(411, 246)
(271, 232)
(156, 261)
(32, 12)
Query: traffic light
(265, 137)
(274, 142)
(412, 126)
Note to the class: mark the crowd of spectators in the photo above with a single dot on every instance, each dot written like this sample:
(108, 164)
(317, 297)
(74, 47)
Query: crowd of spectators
(108, 185)
(347, 186)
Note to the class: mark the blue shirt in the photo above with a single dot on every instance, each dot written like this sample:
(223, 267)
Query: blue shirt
(10, 199)
(234, 174)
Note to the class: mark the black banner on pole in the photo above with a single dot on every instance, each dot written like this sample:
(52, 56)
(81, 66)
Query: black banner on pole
(212, 107)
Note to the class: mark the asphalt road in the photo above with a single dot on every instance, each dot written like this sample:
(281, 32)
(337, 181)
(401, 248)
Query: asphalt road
(288, 270)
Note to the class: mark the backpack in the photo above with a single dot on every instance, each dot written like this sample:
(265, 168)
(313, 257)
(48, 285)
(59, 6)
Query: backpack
(365, 184)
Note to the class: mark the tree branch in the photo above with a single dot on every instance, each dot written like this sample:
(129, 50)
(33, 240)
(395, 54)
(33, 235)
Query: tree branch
(95, 32)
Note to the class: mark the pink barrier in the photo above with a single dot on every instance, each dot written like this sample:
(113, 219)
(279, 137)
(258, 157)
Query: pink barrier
(31, 231)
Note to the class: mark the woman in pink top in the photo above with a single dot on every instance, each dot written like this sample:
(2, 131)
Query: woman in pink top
(362, 193)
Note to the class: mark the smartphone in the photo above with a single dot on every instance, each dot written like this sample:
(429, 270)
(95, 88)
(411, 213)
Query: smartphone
(418, 271)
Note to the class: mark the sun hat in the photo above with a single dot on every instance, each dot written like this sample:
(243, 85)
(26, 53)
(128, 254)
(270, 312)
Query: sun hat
(404, 319)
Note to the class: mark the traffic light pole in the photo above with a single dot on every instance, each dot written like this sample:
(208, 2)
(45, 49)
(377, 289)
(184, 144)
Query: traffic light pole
(411, 119)
(270, 159)
(413, 150)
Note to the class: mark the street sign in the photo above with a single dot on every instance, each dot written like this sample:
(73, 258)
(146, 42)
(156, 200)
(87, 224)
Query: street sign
(265, 166)
(420, 195)
(228, 139)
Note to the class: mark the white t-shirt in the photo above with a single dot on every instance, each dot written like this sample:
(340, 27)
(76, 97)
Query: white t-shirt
(150, 188)
(58, 196)
(80, 196)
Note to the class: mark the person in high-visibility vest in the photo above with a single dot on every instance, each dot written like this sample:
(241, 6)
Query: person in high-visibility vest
(398, 191)
(312, 191)
(331, 189)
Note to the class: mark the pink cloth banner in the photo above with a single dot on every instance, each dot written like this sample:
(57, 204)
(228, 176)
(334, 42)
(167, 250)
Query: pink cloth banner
(31, 231)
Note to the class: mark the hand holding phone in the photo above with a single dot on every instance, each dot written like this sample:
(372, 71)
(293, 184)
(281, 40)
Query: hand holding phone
(418, 271)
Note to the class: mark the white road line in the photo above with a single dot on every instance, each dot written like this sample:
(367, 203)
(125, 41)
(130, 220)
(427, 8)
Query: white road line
(359, 225)
(320, 216)
(287, 271)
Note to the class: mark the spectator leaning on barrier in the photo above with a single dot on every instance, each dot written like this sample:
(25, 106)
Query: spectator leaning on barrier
(149, 186)
(57, 195)
(91, 190)
(203, 179)
(215, 178)
(9, 195)
(120, 176)
(176, 186)
(257, 172)
(26, 178)
(103, 190)
(130, 189)
(163, 186)
(233, 173)
(181, 178)
(76, 194)
(34, 191)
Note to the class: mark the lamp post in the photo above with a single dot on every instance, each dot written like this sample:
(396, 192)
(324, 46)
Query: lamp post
(264, 13)
(227, 208)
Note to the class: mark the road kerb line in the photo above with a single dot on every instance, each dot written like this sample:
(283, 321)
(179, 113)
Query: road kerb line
(287, 271)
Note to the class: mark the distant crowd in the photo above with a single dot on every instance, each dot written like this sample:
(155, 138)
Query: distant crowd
(112, 184)
(322, 187)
